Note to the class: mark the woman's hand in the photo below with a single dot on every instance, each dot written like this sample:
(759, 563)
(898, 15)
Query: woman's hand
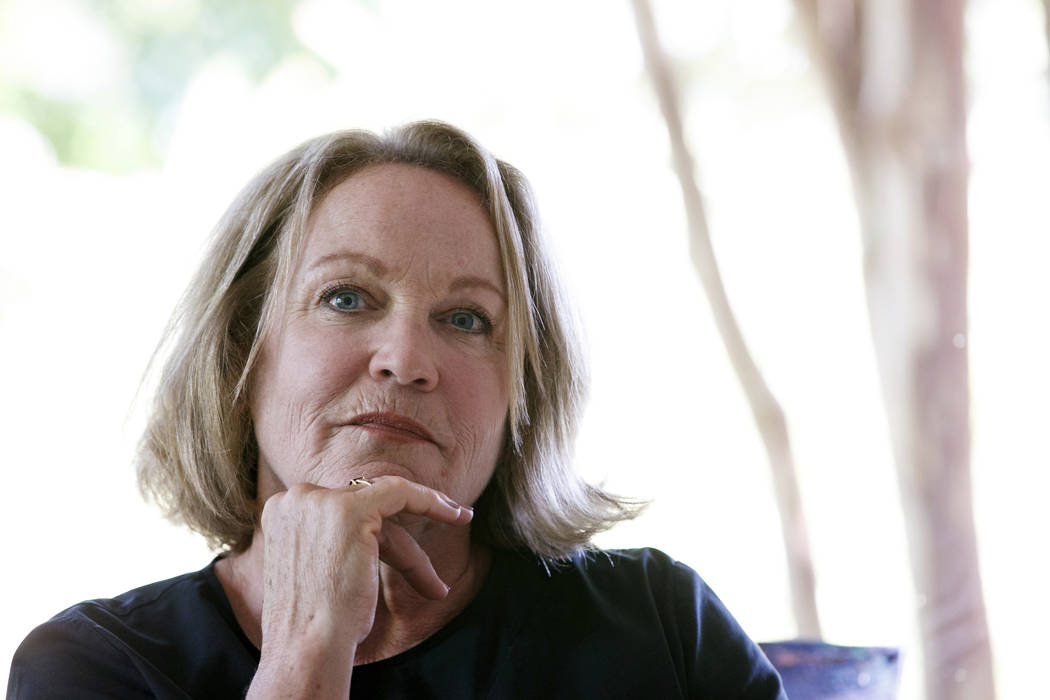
(322, 549)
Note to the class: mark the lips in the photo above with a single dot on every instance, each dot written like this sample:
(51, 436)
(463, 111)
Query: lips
(393, 426)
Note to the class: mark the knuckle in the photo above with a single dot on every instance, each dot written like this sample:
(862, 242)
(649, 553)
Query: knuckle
(271, 507)
(300, 490)
(395, 481)
(369, 528)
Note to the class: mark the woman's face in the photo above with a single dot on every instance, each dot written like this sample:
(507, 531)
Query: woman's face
(387, 356)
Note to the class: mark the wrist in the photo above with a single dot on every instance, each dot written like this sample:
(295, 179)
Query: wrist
(312, 668)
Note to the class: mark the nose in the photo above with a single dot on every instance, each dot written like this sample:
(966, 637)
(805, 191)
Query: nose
(404, 355)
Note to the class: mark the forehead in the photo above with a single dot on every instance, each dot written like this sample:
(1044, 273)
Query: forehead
(398, 212)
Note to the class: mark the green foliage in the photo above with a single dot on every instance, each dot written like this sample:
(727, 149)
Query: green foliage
(161, 46)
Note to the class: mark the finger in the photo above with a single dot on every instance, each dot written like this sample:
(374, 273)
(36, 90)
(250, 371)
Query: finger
(399, 550)
(392, 495)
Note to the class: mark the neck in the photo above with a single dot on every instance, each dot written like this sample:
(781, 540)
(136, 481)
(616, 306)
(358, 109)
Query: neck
(403, 618)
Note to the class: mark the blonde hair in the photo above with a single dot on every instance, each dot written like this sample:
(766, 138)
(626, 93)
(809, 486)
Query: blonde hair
(197, 457)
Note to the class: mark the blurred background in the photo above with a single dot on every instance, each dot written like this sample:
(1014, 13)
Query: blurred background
(127, 126)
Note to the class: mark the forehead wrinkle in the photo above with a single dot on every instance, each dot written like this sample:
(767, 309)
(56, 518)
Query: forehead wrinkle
(360, 210)
(457, 283)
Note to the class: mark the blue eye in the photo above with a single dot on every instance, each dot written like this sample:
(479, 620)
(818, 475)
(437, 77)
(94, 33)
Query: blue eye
(470, 321)
(345, 300)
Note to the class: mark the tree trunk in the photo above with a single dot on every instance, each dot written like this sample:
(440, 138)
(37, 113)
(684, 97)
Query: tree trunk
(768, 415)
(894, 69)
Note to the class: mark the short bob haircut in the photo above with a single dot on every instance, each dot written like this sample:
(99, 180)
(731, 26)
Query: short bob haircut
(198, 456)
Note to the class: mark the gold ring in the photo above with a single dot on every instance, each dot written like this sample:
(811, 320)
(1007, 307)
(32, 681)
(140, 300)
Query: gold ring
(359, 482)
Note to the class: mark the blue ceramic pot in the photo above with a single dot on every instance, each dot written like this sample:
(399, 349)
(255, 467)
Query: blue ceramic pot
(817, 671)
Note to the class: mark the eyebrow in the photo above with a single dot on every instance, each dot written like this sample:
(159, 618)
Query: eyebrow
(472, 281)
(374, 265)
(377, 268)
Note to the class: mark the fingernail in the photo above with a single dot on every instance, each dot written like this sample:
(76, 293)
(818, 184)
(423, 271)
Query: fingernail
(450, 501)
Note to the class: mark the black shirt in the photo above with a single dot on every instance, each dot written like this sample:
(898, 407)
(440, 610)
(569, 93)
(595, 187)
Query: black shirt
(615, 624)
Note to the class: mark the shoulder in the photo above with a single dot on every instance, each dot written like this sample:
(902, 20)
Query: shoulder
(716, 651)
(612, 563)
(644, 563)
(660, 609)
(170, 594)
(634, 573)
(127, 646)
(139, 612)
(88, 648)
(632, 589)
(652, 583)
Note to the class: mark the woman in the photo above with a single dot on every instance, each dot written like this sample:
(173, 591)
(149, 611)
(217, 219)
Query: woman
(370, 406)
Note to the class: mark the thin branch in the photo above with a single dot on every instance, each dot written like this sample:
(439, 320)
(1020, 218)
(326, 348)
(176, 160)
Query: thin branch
(768, 415)
(1046, 31)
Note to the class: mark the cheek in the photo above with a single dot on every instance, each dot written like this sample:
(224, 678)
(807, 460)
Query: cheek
(317, 363)
(294, 379)
(479, 404)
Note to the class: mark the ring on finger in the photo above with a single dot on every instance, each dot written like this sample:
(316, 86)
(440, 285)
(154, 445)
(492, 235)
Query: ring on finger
(359, 482)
